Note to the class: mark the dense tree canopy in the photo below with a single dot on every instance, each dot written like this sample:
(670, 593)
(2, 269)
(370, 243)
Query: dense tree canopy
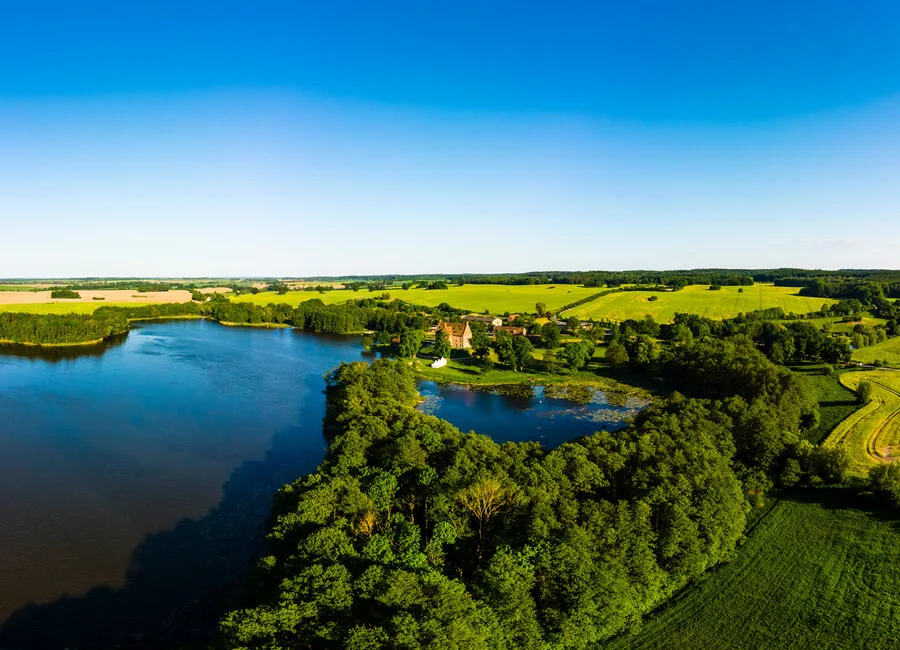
(59, 329)
(412, 534)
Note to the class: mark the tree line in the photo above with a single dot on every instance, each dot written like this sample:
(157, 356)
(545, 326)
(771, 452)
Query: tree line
(59, 329)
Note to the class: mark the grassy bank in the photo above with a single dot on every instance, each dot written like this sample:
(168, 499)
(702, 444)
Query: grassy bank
(51, 345)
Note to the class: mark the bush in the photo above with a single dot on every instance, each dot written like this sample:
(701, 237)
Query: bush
(864, 392)
(885, 482)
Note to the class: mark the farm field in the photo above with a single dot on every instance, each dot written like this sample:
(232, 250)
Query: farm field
(887, 351)
(109, 296)
(810, 575)
(845, 327)
(66, 307)
(697, 299)
(496, 298)
(871, 434)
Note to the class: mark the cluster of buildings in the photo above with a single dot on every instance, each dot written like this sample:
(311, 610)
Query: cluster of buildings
(460, 334)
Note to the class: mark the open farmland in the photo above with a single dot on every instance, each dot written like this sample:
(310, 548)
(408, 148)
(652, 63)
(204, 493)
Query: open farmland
(810, 575)
(887, 351)
(496, 298)
(697, 299)
(66, 307)
(108, 296)
(871, 434)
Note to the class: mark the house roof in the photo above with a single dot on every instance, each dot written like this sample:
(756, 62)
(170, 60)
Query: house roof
(455, 329)
(512, 329)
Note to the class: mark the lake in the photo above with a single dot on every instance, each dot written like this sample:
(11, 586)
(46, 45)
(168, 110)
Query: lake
(135, 477)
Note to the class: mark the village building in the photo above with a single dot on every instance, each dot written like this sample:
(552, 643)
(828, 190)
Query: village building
(511, 318)
(512, 329)
(459, 334)
(491, 321)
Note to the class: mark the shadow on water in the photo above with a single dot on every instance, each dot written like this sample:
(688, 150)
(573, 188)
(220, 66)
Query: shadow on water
(63, 353)
(180, 581)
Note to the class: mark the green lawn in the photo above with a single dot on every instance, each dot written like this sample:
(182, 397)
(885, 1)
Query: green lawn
(810, 575)
(68, 307)
(496, 298)
(888, 351)
(697, 299)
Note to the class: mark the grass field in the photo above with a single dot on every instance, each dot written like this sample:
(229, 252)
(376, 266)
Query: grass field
(871, 434)
(836, 401)
(810, 575)
(72, 307)
(888, 351)
(697, 299)
(845, 328)
(496, 298)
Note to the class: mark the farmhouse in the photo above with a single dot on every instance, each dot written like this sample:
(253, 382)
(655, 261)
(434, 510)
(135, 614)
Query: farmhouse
(491, 321)
(459, 334)
(512, 329)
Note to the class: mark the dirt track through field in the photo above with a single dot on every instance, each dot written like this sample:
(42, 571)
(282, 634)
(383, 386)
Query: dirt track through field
(885, 449)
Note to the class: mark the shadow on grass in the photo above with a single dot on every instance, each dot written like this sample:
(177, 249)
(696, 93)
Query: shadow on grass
(181, 581)
(840, 402)
(852, 497)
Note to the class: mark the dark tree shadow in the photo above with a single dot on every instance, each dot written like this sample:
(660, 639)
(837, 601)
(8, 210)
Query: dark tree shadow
(61, 353)
(181, 581)
(849, 497)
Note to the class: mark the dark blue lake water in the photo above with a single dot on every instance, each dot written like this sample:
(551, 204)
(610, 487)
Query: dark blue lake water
(135, 476)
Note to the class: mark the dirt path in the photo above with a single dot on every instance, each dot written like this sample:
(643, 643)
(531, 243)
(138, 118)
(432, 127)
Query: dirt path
(884, 452)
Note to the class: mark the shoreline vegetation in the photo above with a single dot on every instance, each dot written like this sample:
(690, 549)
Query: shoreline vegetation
(56, 345)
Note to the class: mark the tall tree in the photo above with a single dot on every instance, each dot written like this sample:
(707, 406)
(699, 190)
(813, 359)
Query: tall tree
(550, 335)
(441, 344)
(410, 342)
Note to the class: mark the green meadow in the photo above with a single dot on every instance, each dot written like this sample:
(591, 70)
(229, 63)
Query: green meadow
(495, 298)
(814, 573)
(840, 327)
(697, 299)
(67, 307)
(836, 401)
(887, 351)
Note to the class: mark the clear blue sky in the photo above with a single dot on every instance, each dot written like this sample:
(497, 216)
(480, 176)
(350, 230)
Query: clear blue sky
(302, 138)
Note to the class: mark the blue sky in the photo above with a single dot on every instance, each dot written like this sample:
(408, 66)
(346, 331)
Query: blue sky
(199, 138)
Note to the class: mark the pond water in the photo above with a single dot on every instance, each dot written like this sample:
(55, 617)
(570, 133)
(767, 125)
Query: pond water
(135, 477)
(520, 413)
